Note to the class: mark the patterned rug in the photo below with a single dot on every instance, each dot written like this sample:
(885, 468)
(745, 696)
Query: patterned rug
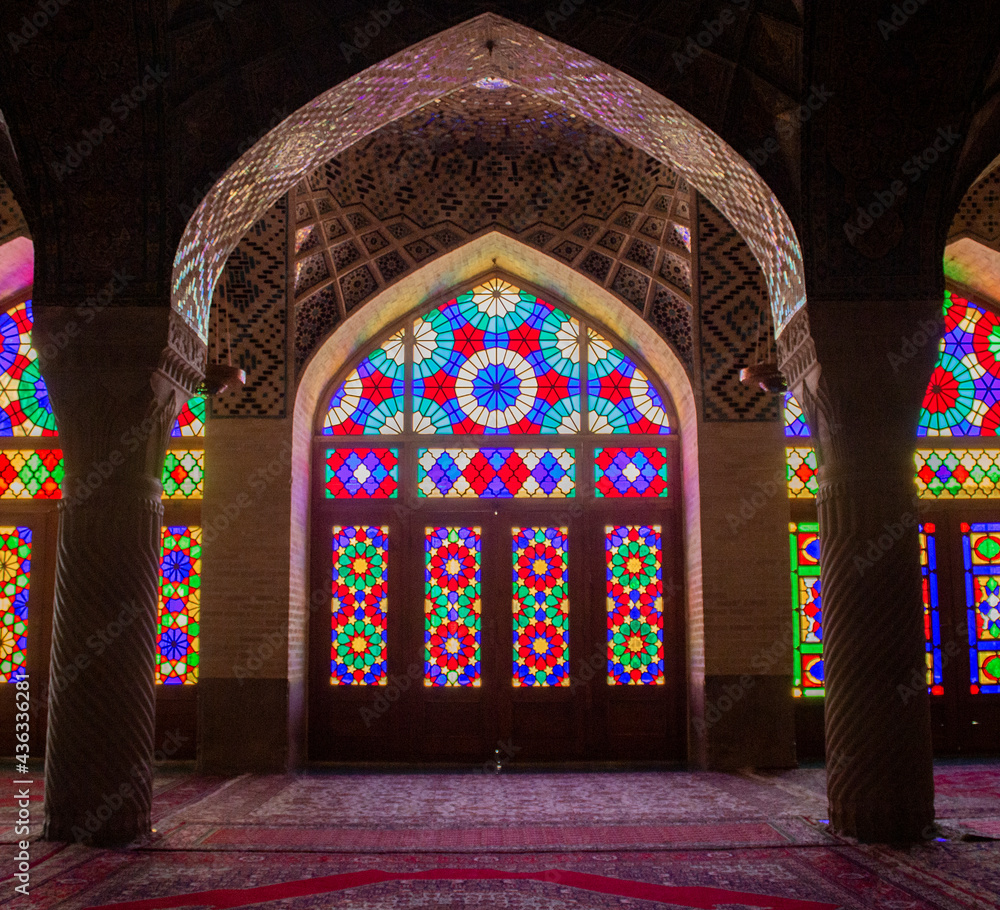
(584, 841)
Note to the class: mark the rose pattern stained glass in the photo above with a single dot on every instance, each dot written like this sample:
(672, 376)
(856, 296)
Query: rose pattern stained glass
(807, 604)
(496, 473)
(27, 474)
(360, 604)
(932, 619)
(958, 473)
(635, 605)
(963, 395)
(981, 550)
(190, 422)
(370, 400)
(178, 616)
(541, 607)
(795, 420)
(495, 361)
(15, 581)
(452, 606)
(630, 472)
(361, 474)
(24, 400)
(621, 397)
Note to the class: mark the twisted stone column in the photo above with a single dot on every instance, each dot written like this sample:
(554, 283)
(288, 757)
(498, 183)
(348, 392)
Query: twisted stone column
(860, 378)
(117, 380)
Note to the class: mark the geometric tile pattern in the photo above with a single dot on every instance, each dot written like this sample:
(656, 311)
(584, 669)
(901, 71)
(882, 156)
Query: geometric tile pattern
(734, 313)
(252, 293)
(979, 212)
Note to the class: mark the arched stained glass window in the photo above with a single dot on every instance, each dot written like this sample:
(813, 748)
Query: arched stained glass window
(190, 422)
(496, 361)
(963, 396)
(24, 400)
(795, 420)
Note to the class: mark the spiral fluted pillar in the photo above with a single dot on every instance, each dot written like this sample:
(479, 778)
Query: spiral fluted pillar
(117, 379)
(861, 380)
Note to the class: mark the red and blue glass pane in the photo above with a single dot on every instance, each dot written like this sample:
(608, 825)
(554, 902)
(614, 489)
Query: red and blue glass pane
(359, 606)
(932, 619)
(24, 399)
(370, 401)
(621, 398)
(15, 580)
(496, 361)
(795, 420)
(178, 616)
(496, 473)
(190, 422)
(630, 472)
(807, 670)
(963, 395)
(362, 474)
(981, 548)
(541, 607)
(452, 606)
(634, 559)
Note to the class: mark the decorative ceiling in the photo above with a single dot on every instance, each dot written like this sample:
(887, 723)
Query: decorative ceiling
(483, 159)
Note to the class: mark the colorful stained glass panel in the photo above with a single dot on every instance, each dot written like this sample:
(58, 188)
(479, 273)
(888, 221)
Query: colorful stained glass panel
(795, 420)
(496, 473)
(452, 606)
(180, 588)
(807, 603)
(360, 602)
(634, 558)
(630, 472)
(958, 473)
(190, 422)
(27, 474)
(932, 619)
(963, 395)
(496, 361)
(362, 473)
(981, 549)
(800, 472)
(24, 399)
(370, 400)
(621, 397)
(184, 474)
(541, 607)
(15, 580)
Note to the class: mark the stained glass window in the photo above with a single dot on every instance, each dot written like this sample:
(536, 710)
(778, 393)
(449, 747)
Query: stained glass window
(795, 420)
(958, 473)
(24, 399)
(630, 472)
(621, 397)
(807, 604)
(31, 474)
(932, 620)
(496, 360)
(800, 471)
(180, 586)
(191, 420)
(15, 578)
(359, 606)
(981, 548)
(541, 607)
(452, 608)
(496, 473)
(635, 605)
(370, 400)
(362, 473)
(184, 474)
(807, 669)
(963, 395)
